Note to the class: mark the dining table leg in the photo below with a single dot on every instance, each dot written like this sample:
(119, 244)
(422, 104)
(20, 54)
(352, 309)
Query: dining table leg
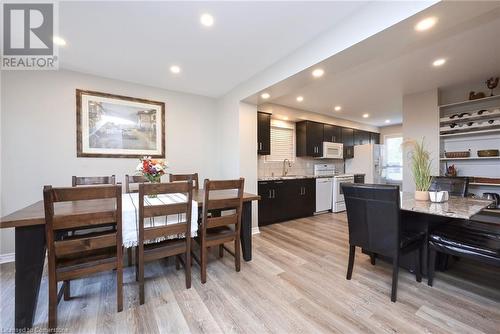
(30, 256)
(246, 231)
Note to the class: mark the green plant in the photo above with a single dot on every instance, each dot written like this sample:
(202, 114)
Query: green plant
(421, 166)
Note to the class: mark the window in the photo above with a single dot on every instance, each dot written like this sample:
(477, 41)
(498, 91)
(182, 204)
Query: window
(282, 142)
(393, 157)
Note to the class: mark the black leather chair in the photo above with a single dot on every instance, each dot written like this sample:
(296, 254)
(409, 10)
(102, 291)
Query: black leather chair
(456, 186)
(374, 219)
(469, 239)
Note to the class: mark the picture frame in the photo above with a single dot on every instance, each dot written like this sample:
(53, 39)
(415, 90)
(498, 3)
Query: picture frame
(116, 126)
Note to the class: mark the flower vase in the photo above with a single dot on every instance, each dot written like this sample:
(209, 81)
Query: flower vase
(421, 195)
(153, 179)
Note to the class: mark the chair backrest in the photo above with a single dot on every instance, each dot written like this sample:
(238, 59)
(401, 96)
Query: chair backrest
(223, 195)
(132, 180)
(456, 186)
(92, 180)
(164, 206)
(81, 207)
(373, 216)
(186, 177)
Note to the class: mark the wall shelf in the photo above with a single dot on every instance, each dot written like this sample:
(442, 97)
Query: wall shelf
(469, 133)
(484, 184)
(469, 102)
(469, 158)
(495, 113)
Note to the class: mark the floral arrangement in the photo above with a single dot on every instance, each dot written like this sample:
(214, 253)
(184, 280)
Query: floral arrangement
(152, 169)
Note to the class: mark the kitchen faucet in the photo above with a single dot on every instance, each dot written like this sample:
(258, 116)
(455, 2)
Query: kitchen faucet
(285, 170)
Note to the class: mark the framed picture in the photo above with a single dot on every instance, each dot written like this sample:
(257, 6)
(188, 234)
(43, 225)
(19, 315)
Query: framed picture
(114, 126)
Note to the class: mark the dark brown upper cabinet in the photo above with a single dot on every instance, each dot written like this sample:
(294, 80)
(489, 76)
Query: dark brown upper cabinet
(309, 139)
(332, 133)
(361, 137)
(263, 133)
(374, 138)
(348, 141)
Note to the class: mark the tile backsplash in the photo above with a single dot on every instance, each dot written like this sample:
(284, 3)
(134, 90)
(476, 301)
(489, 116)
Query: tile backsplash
(301, 166)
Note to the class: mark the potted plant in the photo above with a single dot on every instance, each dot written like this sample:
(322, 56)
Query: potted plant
(421, 170)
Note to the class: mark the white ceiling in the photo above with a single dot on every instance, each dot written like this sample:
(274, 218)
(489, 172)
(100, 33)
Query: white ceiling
(372, 76)
(139, 41)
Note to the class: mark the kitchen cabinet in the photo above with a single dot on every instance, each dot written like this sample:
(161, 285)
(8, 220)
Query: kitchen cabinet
(374, 138)
(283, 200)
(332, 133)
(361, 137)
(263, 133)
(309, 139)
(348, 141)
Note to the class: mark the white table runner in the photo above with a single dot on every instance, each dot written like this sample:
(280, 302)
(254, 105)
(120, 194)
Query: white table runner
(130, 217)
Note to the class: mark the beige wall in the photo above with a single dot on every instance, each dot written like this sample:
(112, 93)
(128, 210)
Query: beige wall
(420, 119)
(39, 125)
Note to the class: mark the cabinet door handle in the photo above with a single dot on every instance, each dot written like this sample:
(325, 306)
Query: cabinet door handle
(304, 190)
(260, 146)
(274, 193)
(333, 138)
(270, 196)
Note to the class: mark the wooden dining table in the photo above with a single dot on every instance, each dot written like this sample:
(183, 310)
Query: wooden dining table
(30, 244)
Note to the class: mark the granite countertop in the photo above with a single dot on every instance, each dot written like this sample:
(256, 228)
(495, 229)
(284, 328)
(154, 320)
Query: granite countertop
(294, 177)
(455, 207)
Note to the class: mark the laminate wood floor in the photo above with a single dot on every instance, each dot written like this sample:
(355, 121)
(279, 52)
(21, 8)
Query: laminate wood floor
(294, 284)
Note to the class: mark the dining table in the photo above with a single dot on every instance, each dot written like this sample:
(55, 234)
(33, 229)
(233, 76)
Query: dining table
(30, 243)
(424, 216)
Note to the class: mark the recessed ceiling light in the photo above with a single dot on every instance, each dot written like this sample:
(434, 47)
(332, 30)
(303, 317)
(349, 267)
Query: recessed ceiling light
(366, 115)
(318, 73)
(207, 20)
(438, 62)
(265, 96)
(175, 69)
(387, 121)
(285, 118)
(59, 41)
(337, 108)
(426, 24)
(300, 98)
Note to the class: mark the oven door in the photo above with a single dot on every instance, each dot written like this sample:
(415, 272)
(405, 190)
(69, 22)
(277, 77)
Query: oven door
(338, 194)
(333, 150)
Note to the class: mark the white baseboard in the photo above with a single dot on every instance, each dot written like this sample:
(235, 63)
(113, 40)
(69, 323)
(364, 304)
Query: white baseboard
(255, 230)
(6, 258)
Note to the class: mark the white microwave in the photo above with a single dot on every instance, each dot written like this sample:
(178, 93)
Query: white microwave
(333, 150)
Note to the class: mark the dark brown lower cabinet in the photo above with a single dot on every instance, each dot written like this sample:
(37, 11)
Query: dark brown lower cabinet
(286, 199)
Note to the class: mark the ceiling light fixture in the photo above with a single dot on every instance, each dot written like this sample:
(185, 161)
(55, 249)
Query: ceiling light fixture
(387, 121)
(265, 96)
(438, 62)
(337, 108)
(426, 24)
(366, 115)
(317, 73)
(58, 41)
(207, 20)
(285, 118)
(300, 98)
(175, 69)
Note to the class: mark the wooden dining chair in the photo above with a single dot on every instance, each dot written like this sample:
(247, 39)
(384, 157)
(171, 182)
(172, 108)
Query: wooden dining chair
(186, 177)
(172, 245)
(134, 180)
(82, 255)
(224, 195)
(92, 180)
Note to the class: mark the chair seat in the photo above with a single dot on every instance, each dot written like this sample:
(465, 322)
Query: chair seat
(221, 232)
(467, 240)
(409, 238)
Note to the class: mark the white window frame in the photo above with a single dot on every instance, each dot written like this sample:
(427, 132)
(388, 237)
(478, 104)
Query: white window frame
(287, 125)
(385, 165)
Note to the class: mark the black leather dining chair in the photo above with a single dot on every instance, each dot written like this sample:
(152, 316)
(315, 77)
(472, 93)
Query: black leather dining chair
(455, 186)
(374, 219)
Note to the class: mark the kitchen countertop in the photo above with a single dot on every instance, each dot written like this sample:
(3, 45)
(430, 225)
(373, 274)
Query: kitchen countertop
(455, 207)
(295, 177)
